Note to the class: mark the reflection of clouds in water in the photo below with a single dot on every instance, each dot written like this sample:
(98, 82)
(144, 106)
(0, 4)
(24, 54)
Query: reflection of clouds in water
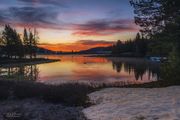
(99, 74)
(96, 71)
(80, 59)
(87, 69)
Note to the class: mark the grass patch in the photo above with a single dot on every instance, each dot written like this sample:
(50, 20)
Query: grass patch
(66, 94)
(4, 92)
(155, 84)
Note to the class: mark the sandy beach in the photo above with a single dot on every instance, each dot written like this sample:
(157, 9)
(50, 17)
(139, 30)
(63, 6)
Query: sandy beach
(135, 104)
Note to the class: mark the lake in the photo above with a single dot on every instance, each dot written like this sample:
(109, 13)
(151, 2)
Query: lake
(84, 69)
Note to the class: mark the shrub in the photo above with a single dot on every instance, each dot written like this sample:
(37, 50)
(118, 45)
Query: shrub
(170, 71)
(67, 94)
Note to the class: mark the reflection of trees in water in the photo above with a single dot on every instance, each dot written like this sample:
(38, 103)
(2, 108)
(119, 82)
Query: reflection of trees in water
(21, 72)
(139, 68)
(117, 66)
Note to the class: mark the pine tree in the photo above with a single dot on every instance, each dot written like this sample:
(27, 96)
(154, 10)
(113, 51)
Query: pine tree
(12, 42)
(160, 21)
(1, 46)
(19, 47)
(35, 42)
(148, 16)
(25, 42)
(31, 39)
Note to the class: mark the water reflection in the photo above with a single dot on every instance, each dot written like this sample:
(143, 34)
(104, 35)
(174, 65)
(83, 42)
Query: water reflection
(19, 72)
(85, 69)
(139, 67)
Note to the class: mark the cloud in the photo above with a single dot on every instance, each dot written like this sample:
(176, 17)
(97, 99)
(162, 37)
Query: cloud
(49, 2)
(30, 16)
(4, 16)
(48, 17)
(2, 19)
(76, 46)
(104, 27)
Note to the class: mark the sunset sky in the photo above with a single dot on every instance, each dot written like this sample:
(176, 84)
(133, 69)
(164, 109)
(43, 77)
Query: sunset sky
(66, 25)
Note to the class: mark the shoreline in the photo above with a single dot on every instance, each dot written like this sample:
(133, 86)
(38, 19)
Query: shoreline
(14, 63)
(81, 102)
(77, 97)
(71, 100)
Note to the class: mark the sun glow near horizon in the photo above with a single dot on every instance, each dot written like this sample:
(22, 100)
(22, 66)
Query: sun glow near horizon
(62, 41)
(62, 24)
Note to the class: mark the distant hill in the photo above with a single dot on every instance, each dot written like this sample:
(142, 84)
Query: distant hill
(46, 51)
(97, 50)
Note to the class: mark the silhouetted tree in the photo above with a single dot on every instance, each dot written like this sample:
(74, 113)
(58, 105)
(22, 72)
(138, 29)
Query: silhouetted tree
(33, 40)
(156, 19)
(30, 40)
(160, 21)
(140, 45)
(148, 16)
(1, 46)
(25, 42)
(12, 42)
(19, 47)
(136, 47)
(12, 46)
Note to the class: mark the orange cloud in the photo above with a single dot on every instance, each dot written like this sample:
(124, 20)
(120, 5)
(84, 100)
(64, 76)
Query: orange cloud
(104, 28)
(77, 46)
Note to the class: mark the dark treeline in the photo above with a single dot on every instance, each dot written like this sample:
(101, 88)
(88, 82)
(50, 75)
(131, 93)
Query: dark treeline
(142, 47)
(12, 45)
(137, 47)
(160, 30)
(160, 23)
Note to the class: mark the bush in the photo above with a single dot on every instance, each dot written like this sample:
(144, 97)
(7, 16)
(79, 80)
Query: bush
(24, 90)
(67, 94)
(170, 71)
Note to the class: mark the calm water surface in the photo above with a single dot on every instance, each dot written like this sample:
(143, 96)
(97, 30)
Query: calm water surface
(78, 68)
